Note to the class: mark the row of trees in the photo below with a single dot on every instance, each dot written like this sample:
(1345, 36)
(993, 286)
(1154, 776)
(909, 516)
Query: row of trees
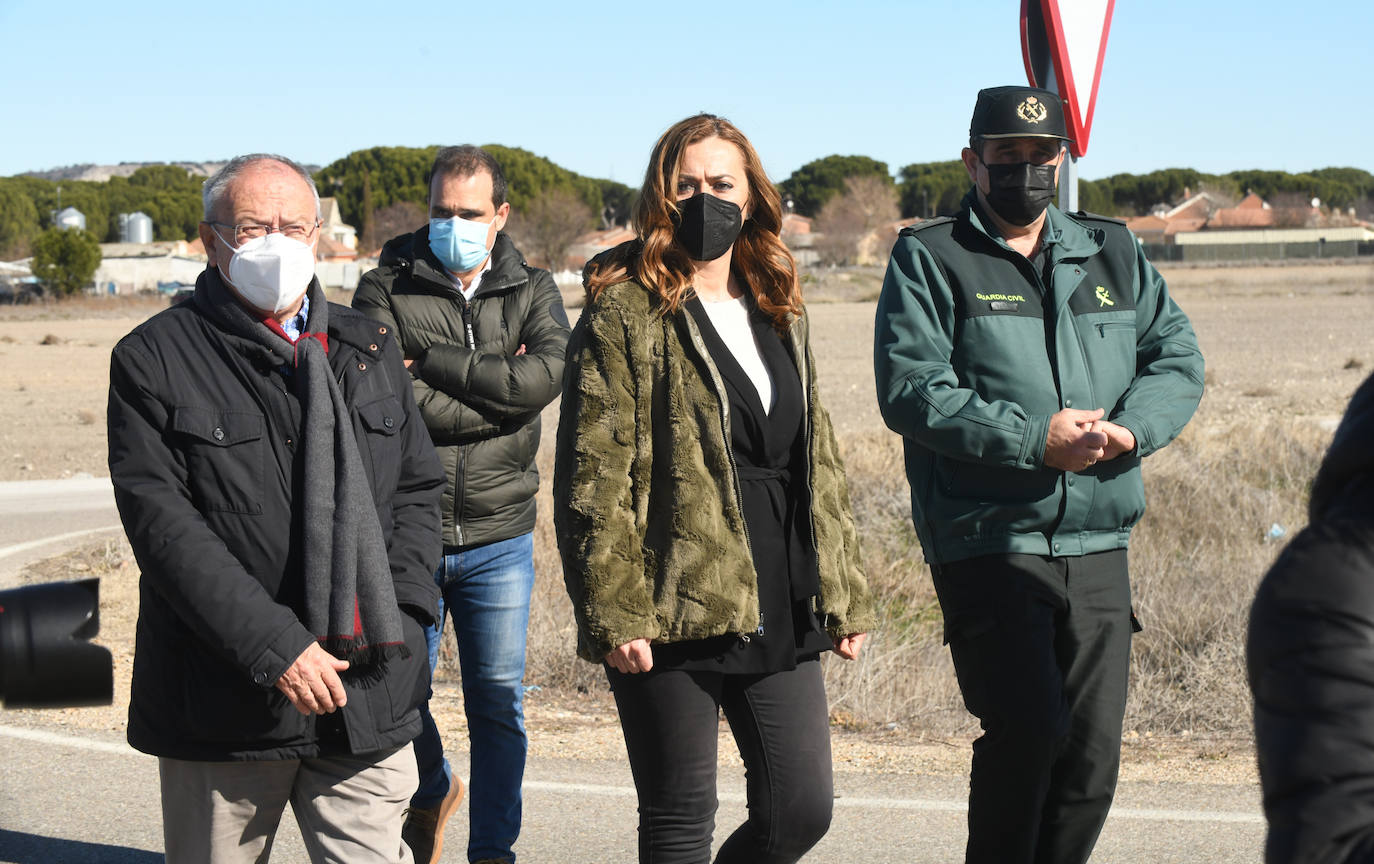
(936, 188)
(381, 191)
(166, 193)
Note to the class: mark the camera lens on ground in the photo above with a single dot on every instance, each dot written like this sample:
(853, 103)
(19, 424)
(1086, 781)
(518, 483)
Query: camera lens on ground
(45, 658)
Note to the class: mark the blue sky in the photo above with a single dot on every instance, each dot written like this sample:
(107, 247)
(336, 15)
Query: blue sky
(1215, 85)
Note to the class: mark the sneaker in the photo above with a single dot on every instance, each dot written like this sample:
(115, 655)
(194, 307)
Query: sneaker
(423, 830)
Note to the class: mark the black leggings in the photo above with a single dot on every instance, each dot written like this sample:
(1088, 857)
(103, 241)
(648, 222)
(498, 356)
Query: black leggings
(781, 726)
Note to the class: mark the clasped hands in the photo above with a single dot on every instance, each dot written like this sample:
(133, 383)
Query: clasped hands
(1079, 439)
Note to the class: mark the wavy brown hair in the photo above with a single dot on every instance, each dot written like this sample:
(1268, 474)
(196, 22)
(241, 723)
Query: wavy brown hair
(655, 260)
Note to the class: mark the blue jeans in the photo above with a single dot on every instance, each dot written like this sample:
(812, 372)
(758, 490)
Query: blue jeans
(486, 589)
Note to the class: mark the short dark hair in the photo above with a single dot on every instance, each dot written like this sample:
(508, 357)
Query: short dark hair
(465, 161)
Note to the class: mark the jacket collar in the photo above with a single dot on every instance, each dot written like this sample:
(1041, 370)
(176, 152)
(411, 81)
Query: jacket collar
(411, 251)
(345, 326)
(1065, 237)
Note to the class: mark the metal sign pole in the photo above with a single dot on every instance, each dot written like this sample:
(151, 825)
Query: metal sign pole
(1062, 44)
(1068, 184)
(1068, 171)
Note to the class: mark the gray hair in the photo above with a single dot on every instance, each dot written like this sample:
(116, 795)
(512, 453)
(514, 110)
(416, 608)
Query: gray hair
(214, 187)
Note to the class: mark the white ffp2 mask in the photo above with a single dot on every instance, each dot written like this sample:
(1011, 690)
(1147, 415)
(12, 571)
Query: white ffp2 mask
(272, 271)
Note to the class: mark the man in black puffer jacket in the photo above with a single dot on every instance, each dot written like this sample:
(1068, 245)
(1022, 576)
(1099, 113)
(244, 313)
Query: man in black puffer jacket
(484, 335)
(1311, 663)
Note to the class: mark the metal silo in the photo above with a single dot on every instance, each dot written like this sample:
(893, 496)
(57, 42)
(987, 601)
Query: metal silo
(135, 228)
(70, 217)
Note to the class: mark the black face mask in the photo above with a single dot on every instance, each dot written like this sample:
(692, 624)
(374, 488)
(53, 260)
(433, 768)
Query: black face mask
(707, 226)
(1019, 193)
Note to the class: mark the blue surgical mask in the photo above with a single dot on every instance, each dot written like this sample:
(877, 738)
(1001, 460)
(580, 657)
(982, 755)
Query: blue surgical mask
(460, 244)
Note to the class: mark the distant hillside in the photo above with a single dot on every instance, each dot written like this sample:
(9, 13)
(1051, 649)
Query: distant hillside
(101, 173)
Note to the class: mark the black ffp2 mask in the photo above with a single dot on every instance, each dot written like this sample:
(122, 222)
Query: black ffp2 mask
(1019, 193)
(707, 226)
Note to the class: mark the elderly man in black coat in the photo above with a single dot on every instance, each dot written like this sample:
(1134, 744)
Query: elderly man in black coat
(281, 496)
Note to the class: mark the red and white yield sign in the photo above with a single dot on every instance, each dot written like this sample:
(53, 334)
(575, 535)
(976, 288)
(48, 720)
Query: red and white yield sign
(1063, 42)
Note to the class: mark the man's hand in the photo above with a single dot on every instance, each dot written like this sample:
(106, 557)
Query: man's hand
(1073, 443)
(1119, 439)
(312, 681)
(633, 656)
(849, 646)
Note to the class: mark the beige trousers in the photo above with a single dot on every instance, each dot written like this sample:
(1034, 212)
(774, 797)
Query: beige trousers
(349, 807)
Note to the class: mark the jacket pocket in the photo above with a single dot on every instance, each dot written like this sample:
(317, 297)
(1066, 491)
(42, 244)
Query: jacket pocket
(405, 682)
(223, 710)
(225, 462)
(1109, 344)
(993, 483)
(381, 420)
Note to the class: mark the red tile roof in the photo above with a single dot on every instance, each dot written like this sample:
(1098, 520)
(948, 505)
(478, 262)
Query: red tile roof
(1241, 217)
(330, 249)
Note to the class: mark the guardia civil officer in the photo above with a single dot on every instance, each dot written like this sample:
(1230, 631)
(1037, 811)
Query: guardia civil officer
(1030, 359)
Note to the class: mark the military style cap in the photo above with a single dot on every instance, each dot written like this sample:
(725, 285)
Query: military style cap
(1018, 112)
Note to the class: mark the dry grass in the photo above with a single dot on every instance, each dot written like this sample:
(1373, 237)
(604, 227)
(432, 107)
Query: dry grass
(1195, 561)
(85, 307)
(842, 284)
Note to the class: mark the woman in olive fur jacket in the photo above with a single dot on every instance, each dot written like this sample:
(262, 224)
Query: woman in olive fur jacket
(701, 508)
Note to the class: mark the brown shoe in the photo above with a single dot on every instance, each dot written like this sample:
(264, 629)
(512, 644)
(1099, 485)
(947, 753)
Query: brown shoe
(423, 830)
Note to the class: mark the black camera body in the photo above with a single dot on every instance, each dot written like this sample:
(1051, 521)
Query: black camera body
(45, 658)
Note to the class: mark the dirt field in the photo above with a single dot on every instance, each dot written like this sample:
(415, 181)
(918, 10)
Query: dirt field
(1285, 343)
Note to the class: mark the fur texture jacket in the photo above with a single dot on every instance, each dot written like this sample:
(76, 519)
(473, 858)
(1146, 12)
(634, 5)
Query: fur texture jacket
(646, 501)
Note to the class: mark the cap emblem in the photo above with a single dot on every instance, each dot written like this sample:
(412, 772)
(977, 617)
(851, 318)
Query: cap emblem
(1032, 110)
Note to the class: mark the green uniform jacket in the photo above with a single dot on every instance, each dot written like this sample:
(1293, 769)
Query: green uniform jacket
(973, 353)
(479, 395)
(646, 497)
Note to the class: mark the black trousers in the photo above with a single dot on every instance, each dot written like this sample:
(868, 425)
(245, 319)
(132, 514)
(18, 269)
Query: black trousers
(781, 725)
(1041, 647)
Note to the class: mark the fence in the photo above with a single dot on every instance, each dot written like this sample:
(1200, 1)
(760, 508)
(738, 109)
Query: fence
(1201, 253)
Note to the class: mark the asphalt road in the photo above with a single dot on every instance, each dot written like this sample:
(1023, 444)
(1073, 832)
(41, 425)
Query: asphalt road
(86, 797)
(40, 518)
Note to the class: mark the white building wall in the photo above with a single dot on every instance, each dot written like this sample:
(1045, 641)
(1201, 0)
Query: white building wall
(1232, 236)
(339, 274)
(133, 275)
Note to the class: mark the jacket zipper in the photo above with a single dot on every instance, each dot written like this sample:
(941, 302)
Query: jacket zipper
(460, 472)
(719, 384)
